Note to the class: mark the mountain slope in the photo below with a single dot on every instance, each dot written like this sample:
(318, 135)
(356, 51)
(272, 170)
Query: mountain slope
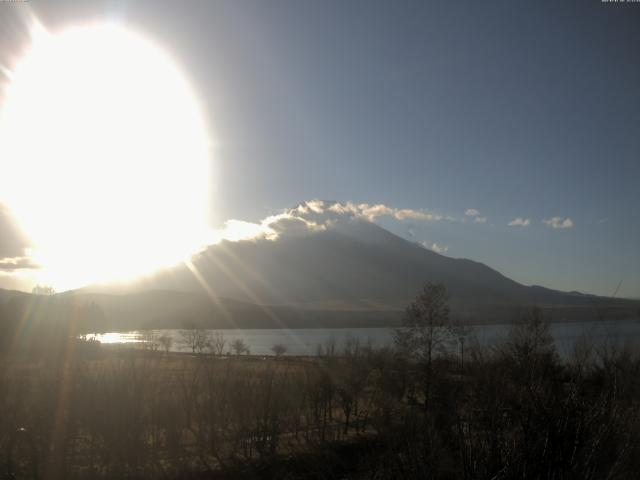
(340, 268)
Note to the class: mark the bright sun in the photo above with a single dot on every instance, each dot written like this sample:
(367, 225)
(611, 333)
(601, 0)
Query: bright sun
(104, 156)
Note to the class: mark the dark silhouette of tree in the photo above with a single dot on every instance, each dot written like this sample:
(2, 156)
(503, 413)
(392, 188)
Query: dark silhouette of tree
(424, 329)
(218, 343)
(166, 341)
(195, 339)
(530, 337)
(278, 349)
(43, 290)
(239, 346)
(460, 333)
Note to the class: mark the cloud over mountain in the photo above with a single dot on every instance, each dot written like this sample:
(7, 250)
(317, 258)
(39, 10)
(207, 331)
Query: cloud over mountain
(330, 261)
(372, 212)
(435, 247)
(317, 215)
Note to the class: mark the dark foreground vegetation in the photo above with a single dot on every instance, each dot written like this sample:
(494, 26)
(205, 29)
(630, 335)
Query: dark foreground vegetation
(77, 410)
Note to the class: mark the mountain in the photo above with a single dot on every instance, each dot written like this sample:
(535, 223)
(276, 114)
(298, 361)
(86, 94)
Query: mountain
(320, 264)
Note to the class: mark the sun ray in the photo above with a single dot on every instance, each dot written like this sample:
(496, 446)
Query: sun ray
(238, 261)
(210, 292)
(247, 291)
(23, 321)
(224, 248)
(60, 418)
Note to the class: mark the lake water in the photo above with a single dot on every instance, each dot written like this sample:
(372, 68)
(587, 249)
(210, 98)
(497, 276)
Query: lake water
(306, 341)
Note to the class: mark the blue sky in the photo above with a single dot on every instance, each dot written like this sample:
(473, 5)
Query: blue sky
(515, 109)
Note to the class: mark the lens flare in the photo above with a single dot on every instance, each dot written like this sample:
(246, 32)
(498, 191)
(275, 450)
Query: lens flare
(104, 155)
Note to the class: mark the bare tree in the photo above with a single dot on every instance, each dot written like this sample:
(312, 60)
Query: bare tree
(150, 341)
(278, 350)
(530, 348)
(531, 336)
(425, 329)
(43, 290)
(197, 339)
(166, 341)
(218, 343)
(239, 346)
(329, 348)
(460, 332)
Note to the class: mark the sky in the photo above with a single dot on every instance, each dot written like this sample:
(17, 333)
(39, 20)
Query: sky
(516, 124)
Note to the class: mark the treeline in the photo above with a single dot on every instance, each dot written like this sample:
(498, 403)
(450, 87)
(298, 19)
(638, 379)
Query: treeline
(417, 410)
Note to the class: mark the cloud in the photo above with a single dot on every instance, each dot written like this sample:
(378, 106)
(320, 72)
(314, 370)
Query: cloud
(371, 212)
(475, 214)
(237, 230)
(13, 242)
(558, 222)
(290, 225)
(271, 228)
(316, 206)
(416, 215)
(14, 248)
(317, 215)
(17, 263)
(435, 247)
(520, 222)
(314, 209)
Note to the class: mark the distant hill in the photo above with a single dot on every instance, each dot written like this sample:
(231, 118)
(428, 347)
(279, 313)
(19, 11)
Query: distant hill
(86, 312)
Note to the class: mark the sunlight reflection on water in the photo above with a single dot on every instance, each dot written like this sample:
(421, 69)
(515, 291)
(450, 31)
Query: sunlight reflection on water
(115, 337)
(306, 341)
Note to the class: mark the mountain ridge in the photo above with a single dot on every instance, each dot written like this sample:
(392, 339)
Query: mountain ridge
(323, 265)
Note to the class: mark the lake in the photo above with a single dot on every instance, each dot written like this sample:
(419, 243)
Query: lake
(306, 341)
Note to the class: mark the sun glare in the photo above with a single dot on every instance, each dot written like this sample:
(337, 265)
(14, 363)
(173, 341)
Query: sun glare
(104, 156)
